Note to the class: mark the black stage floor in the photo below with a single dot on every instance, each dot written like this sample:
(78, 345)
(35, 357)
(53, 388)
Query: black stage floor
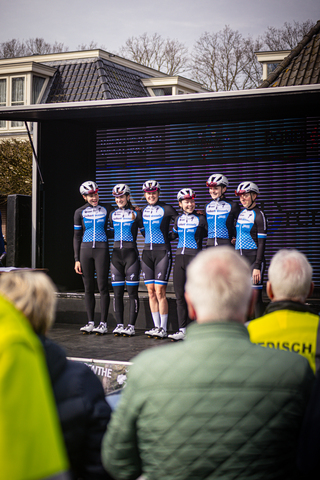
(101, 347)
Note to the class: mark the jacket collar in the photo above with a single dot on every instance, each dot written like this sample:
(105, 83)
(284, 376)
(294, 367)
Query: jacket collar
(223, 328)
(288, 305)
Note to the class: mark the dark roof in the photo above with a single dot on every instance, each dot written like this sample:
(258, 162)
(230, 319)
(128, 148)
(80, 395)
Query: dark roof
(301, 66)
(92, 79)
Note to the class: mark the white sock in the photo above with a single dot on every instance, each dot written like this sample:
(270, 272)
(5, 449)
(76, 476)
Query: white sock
(156, 319)
(164, 320)
(183, 330)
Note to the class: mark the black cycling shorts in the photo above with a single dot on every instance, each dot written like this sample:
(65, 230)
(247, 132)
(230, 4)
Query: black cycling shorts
(156, 266)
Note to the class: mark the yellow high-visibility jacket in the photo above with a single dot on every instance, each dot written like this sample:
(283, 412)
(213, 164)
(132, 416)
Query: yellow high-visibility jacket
(31, 442)
(290, 326)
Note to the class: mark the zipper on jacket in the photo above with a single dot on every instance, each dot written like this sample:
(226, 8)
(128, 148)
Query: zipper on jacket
(184, 236)
(121, 223)
(94, 228)
(150, 228)
(215, 224)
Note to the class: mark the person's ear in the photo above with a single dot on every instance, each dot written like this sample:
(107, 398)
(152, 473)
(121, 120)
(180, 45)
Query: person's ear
(191, 311)
(270, 291)
(252, 303)
(311, 289)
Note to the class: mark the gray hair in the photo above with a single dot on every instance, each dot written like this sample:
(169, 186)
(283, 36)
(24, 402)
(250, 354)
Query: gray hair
(219, 285)
(33, 293)
(290, 275)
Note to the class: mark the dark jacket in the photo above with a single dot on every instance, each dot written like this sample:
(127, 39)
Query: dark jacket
(213, 406)
(83, 411)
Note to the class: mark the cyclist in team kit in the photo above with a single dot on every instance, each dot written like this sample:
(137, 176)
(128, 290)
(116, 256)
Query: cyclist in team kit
(125, 262)
(91, 253)
(156, 256)
(251, 237)
(190, 227)
(221, 213)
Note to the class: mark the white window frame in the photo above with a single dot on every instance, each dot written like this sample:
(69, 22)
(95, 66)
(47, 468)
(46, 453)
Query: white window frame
(17, 127)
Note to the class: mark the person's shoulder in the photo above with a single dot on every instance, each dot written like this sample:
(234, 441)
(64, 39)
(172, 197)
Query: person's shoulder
(155, 359)
(80, 209)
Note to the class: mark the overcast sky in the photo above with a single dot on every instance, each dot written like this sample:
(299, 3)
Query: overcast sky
(110, 23)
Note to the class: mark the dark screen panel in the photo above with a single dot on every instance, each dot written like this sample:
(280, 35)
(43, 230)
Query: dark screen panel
(281, 156)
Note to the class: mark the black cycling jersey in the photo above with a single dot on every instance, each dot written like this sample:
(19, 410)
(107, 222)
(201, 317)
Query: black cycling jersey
(252, 234)
(156, 221)
(90, 227)
(191, 229)
(251, 242)
(124, 224)
(90, 244)
(221, 216)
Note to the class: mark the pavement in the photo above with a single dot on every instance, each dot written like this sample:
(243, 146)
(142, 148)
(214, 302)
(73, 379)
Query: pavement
(101, 347)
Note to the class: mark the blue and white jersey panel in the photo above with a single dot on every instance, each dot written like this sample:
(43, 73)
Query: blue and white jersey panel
(244, 226)
(94, 219)
(122, 225)
(152, 218)
(187, 227)
(217, 214)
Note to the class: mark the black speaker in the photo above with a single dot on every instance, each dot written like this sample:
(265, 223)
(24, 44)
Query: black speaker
(19, 231)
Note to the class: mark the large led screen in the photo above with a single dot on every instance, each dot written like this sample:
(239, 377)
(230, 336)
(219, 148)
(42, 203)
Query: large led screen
(281, 156)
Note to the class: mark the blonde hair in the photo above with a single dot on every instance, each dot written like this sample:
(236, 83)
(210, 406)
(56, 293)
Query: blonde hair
(33, 293)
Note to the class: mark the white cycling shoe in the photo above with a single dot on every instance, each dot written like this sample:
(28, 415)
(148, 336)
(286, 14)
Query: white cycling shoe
(151, 332)
(101, 329)
(128, 331)
(87, 328)
(160, 333)
(118, 330)
(175, 337)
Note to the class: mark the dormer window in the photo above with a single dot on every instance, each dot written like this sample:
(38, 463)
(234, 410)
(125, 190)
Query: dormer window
(3, 98)
(162, 91)
(17, 95)
(37, 85)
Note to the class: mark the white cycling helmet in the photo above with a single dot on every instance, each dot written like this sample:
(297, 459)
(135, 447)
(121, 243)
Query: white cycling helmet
(186, 194)
(88, 187)
(120, 189)
(217, 179)
(247, 187)
(151, 186)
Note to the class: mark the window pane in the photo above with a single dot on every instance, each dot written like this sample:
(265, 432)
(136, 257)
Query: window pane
(3, 92)
(36, 87)
(17, 124)
(2, 124)
(17, 96)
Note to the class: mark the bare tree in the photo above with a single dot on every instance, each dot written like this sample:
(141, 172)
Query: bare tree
(286, 37)
(153, 51)
(32, 46)
(222, 60)
(12, 48)
(90, 46)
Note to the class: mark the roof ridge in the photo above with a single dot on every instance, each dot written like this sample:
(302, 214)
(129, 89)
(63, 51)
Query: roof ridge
(294, 53)
(103, 79)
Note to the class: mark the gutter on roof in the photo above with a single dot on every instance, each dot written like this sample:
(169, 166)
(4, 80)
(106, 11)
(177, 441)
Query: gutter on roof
(295, 52)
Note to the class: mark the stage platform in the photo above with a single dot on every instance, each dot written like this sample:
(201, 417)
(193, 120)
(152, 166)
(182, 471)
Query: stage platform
(101, 347)
(71, 316)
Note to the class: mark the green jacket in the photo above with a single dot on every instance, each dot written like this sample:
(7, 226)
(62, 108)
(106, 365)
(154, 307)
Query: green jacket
(213, 406)
(31, 443)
